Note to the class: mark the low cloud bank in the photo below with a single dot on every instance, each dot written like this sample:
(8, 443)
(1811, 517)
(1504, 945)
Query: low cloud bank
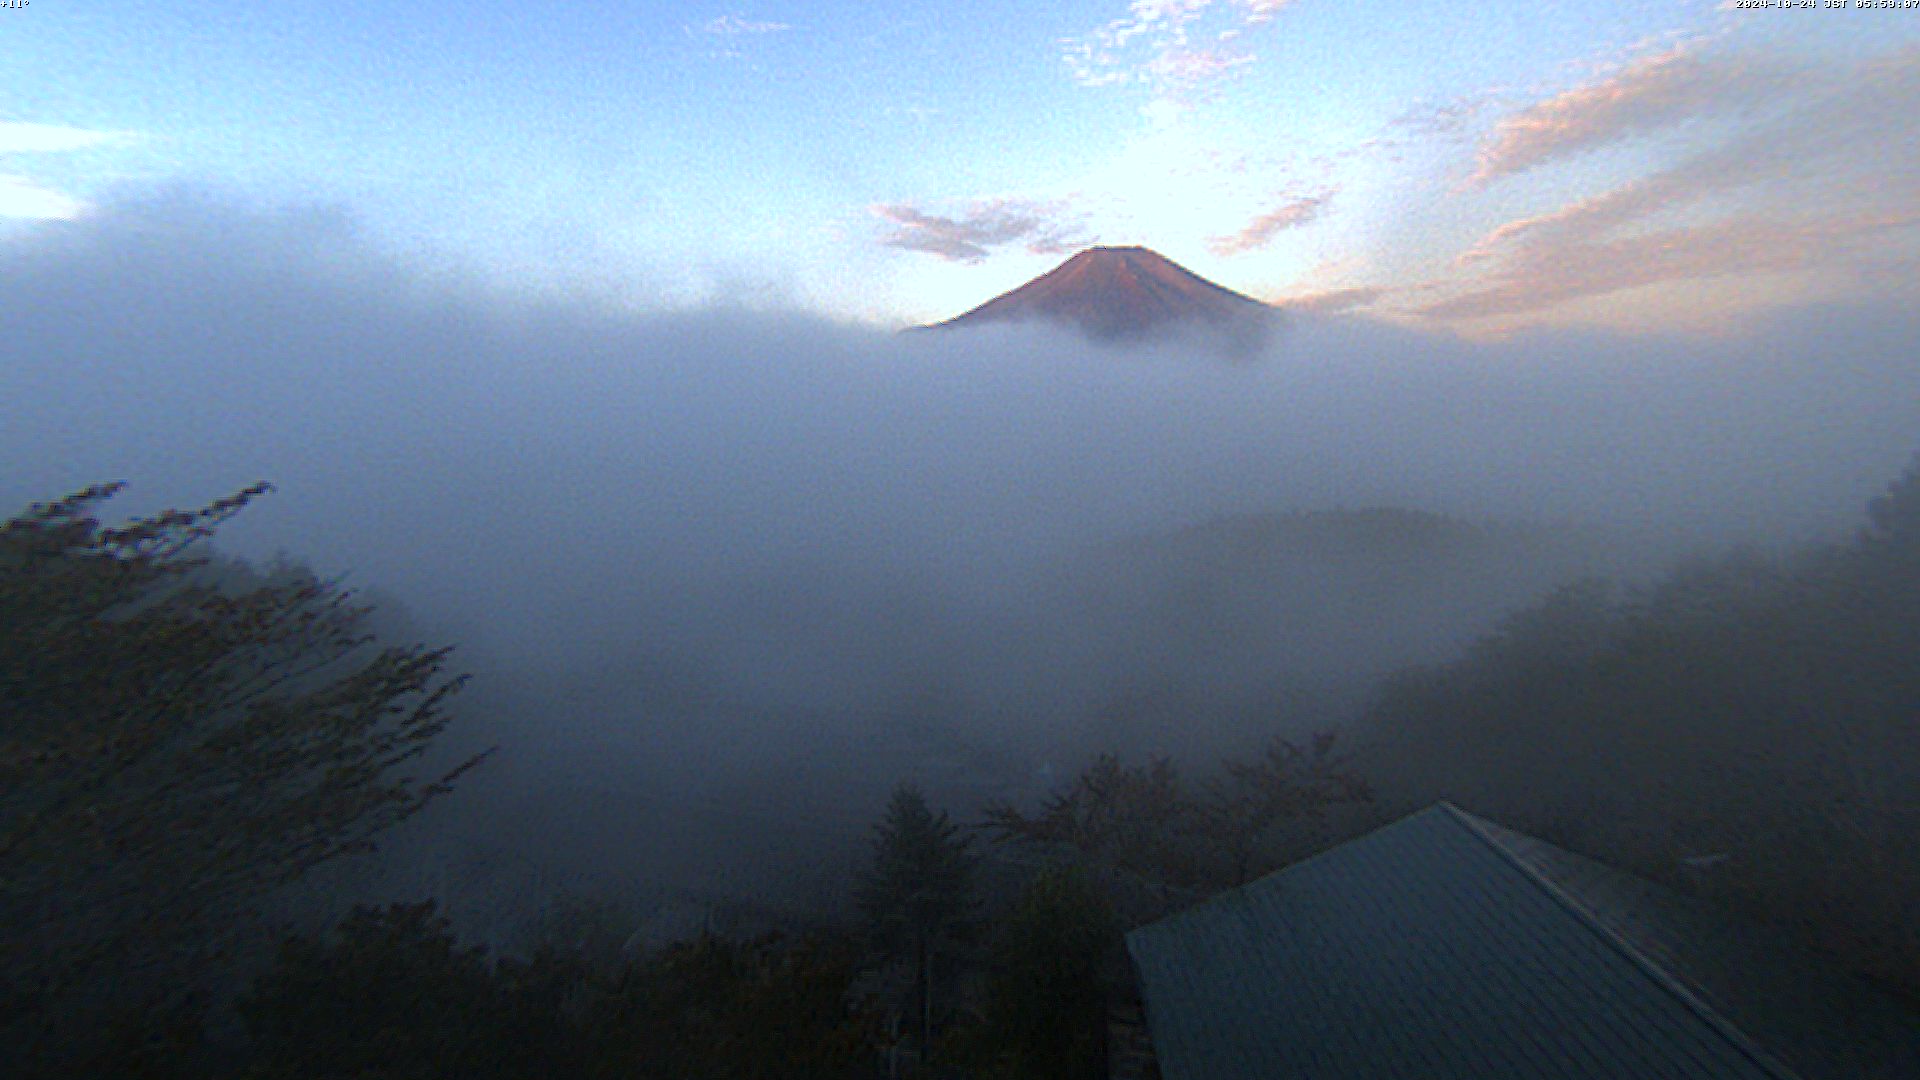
(709, 558)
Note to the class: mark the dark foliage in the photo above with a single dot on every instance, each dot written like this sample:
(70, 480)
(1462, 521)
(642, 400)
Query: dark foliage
(392, 995)
(918, 897)
(178, 735)
(770, 1008)
(1050, 980)
(1746, 726)
(1149, 822)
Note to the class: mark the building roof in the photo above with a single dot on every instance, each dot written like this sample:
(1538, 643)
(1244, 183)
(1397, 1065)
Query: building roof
(1445, 946)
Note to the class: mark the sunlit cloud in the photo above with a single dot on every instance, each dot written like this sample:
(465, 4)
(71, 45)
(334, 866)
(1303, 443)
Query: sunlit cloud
(1747, 245)
(22, 198)
(1820, 187)
(1651, 93)
(1261, 11)
(1174, 45)
(1261, 231)
(1331, 301)
(1190, 67)
(1045, 228)
(17, 137)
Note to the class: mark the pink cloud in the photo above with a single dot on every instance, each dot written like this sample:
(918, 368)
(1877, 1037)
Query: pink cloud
(1746, 245)
(1651, 93)
(1743, 205)
(988, 224)
(1334, 300)
(1260, 232)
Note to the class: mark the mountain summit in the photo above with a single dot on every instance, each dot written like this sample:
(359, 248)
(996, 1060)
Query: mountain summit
(1118, 293)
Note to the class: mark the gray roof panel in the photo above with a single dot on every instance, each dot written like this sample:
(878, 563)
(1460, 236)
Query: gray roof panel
(1423, 951)
(1819, 1022)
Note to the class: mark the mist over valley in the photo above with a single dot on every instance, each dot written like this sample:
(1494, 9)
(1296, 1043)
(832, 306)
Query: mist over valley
(724, 577)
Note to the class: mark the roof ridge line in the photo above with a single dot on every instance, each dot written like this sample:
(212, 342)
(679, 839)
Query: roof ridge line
(1222, 897)
(1726, 1029)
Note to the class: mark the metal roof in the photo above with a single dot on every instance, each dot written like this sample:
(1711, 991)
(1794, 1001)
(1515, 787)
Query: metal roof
(1820, 1022)
(1442, 946)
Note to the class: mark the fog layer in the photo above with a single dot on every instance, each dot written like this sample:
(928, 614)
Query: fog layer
(724, 575)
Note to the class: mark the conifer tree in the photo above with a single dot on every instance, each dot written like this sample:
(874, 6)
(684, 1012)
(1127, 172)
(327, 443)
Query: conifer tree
(918, 896)
(1047, 996)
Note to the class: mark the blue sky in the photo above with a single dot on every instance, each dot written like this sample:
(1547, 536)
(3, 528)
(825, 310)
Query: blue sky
(1510, 165)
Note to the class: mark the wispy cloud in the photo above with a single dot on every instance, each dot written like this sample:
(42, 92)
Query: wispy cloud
(726, 37)
(919, 114)
(25, 197)
(1650, 93)
(1755, 244)
(1435, 119)
(1044, 227)
(1260, 232)
(1195, 67)
(1174, 45)
(1333, 300)
(17, 137)
(1853, 144)
(736, 25)
(22, 198)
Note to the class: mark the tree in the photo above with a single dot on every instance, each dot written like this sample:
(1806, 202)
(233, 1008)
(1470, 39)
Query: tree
(769, 1008)
(392, 995)
(1755, 708)
(918, 896)
(178, 735)
(1894, 515)
(1149, 823)
(1288, 784)
(1139, 819)
(1046, 1008)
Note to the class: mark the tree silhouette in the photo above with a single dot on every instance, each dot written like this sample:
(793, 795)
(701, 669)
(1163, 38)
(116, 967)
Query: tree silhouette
(918, 895)
(178, 735)
(1046, 1008)
(390, 993)
(1150, 823)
